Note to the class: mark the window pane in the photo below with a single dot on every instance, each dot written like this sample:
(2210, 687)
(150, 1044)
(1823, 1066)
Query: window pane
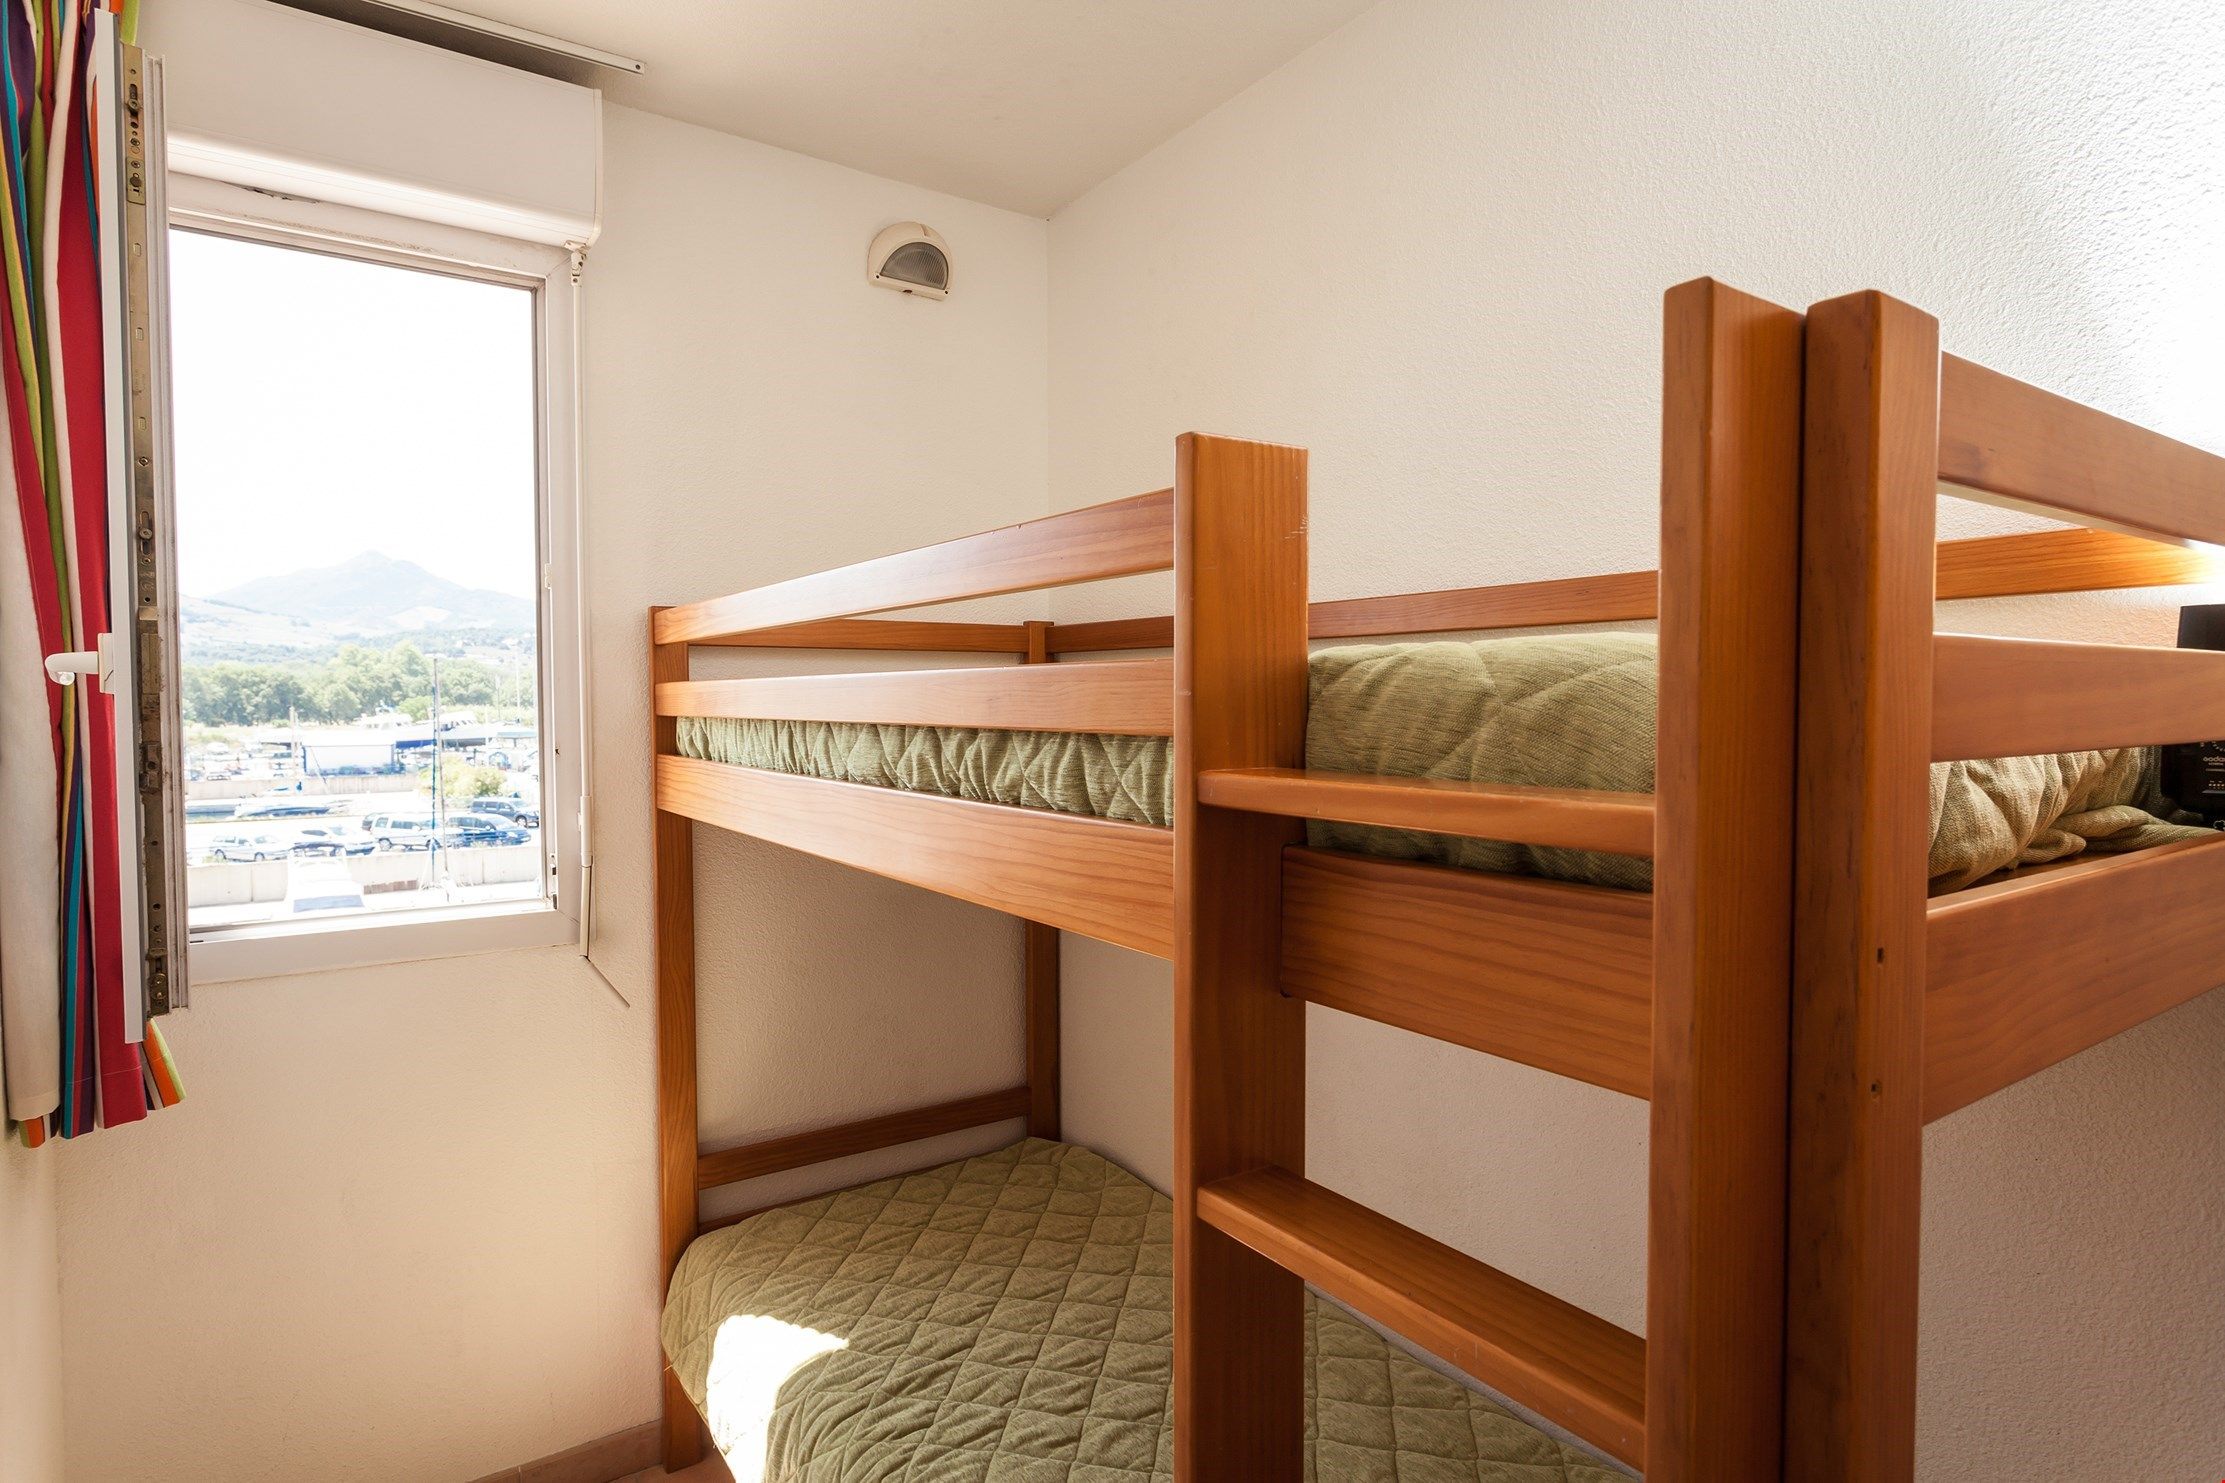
(358, 550)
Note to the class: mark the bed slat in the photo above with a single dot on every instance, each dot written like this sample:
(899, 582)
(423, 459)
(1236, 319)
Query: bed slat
(1550, 974)
(1099, 877)
(2005, 438)
(1571, 818)
(1129, 697)
(1111, 540)
(1994, 697)
(715, 1167)
(2101, 946)
(1572, 1367)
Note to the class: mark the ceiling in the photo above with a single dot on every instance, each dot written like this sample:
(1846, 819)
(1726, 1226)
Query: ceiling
(1023, 104)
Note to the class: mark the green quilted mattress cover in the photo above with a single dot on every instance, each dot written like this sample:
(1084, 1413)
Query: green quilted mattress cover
(1561, 712)
(1008, 1319)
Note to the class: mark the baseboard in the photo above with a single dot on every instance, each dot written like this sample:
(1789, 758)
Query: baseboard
(604, 1460)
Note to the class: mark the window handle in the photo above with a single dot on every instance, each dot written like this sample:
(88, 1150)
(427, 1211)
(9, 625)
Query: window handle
(100, 660)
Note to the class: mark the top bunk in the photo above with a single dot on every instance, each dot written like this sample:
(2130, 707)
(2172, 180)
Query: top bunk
(1550, 972)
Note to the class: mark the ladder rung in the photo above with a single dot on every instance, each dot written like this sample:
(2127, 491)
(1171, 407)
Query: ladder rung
(1571, 1367)
(1570, 818)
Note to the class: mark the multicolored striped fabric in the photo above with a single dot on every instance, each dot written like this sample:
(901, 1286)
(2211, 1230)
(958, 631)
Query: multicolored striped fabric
(66, 1039)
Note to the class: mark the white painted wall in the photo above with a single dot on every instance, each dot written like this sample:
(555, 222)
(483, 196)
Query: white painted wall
(403, 1225)
(1432, 249)
(30, 1316)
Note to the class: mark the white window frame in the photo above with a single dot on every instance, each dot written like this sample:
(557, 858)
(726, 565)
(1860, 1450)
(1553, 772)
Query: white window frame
(275, 949)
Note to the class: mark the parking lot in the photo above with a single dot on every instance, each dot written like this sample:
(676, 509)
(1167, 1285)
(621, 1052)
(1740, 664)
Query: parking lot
(293, 854)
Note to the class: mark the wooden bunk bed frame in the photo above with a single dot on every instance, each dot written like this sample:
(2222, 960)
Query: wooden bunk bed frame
(1790, 1002)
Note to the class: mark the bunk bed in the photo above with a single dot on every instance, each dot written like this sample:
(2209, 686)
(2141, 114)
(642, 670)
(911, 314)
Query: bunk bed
(1789, 996)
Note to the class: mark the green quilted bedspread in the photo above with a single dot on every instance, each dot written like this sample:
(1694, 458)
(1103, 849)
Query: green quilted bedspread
(1008, 1319)
(1563, 712)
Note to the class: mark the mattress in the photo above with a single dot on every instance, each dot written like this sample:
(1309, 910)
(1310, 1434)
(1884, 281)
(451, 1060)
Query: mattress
(1008, 1319)
(1562, 712)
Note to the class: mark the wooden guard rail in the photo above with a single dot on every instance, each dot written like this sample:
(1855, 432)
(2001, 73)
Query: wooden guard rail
(1111, 540)
(1994, 697)
(2004, 438)
(1132, 697)
(716, 1167)
(1990, 566)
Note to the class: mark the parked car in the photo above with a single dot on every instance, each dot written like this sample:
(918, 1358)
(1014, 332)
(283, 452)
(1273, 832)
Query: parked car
(513, 810)
(401, 831)
(284, 808)
(331, 842)
(248, 847)
(467, 830)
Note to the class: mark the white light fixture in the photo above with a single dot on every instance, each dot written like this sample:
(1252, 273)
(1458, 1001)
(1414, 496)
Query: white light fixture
(502, 30)
(910, 257)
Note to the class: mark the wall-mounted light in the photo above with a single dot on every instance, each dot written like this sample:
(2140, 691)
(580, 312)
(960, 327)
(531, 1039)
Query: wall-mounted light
(910, 257)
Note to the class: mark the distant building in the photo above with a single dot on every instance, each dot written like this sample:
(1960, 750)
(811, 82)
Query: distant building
(355, 751)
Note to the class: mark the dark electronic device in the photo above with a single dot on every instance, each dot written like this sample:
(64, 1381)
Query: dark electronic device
(2194, 773)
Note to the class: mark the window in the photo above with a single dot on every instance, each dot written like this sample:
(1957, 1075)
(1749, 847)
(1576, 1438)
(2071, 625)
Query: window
(368, 548)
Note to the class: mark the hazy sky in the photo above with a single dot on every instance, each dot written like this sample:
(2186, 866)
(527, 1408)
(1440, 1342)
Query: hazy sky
(326, 407)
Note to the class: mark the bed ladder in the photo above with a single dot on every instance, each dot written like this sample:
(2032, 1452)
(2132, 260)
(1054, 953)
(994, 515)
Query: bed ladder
(1699, 1400)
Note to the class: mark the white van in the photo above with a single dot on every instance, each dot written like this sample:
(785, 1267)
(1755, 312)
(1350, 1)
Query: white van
(400, 831)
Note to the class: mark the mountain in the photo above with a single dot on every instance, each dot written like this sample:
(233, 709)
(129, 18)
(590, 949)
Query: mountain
(370, 595)
(379, 600)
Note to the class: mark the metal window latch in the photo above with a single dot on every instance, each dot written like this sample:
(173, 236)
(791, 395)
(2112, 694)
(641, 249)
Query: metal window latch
(99, 661)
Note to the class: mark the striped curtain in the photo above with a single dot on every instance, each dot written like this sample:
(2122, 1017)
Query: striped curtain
(67, 1047)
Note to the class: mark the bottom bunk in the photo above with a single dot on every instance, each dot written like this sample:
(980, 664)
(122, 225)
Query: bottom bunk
(1007, 1319)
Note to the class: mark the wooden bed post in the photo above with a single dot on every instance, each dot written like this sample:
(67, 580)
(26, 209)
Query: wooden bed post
(1239, 1088)
(1730, 553)
(1862, 826)
(673, 868)
(1040, 966)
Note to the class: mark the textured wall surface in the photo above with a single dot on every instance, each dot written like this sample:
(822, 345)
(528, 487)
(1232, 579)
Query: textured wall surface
(1432, 250)
(402, 1228)
(30, 1316)
(403, 1225)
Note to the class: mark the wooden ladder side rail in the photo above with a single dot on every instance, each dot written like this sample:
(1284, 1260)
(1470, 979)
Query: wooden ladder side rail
(1126, 697)
(1862, 826)
(1240, 1044)
(1039, 968)
(2032, 448)
(1087, 545)
(2021, 565)
(1730, 530)
(1103, 878)
(1569, 1366)
(672, 862)
(724, 1166)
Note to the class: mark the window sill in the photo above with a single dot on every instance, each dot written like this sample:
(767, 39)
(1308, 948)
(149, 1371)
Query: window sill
(278, 949)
